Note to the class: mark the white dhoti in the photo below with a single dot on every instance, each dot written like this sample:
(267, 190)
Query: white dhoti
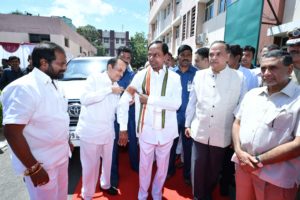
(55, 189)
(90, 160)
(162, 154)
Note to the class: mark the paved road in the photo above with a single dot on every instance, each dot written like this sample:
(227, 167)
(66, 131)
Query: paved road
(12, 186)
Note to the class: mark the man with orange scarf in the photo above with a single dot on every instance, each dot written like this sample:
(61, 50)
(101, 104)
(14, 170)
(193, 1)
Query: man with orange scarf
(156, 91)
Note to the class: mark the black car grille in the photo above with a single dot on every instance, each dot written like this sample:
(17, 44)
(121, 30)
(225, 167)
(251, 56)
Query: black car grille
(74, 108)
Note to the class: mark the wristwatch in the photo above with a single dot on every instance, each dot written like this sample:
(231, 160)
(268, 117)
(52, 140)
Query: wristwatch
(259, 163)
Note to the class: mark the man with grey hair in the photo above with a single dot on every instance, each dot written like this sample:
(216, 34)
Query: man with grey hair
(266, 134)
(216, 93)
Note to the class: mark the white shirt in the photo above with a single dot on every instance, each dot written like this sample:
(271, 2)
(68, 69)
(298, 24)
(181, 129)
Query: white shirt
(98, 108)
(258, 75)
(212, 101)
(33, 100)
(152, 132)
(267, 122)
(251, 79)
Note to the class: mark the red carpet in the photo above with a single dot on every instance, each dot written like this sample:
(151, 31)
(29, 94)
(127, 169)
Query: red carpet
(175, 188)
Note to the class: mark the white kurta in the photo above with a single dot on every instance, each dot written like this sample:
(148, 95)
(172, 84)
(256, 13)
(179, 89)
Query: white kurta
(96, 130)
(154, 140)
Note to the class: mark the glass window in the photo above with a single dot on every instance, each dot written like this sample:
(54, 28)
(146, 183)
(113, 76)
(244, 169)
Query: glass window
(209, 10)
(223, 4)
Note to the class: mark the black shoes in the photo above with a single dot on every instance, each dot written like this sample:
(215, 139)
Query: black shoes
(111, 191)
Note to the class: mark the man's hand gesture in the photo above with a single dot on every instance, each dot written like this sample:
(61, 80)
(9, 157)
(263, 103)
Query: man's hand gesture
(123, 138)
(117, 89)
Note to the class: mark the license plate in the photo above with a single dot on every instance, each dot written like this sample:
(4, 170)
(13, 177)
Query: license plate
(73, 135)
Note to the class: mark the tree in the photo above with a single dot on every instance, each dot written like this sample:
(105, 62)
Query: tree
(138, 44)
(93, 36)
(17, 12)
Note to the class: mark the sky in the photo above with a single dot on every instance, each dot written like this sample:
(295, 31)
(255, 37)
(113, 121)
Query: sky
(117, 15)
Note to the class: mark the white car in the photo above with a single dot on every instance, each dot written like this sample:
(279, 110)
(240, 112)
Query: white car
(78, 69)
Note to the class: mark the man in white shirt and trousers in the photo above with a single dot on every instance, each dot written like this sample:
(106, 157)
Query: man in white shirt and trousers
(209, 117)
(157, 94)
(36, 125)
(96, 127)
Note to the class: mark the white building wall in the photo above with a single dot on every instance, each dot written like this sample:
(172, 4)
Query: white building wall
(17, 37)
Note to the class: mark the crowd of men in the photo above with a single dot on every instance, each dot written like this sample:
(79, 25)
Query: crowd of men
(10, 70)
(229, 120)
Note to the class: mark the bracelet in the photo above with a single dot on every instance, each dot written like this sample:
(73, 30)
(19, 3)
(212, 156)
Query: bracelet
(32, 169)
(39, 169)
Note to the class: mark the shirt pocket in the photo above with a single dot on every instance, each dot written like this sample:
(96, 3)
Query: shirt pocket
(279, 119)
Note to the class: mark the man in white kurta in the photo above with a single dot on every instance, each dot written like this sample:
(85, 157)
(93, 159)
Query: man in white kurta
(36, 125)
(96, 126)
(156, 131)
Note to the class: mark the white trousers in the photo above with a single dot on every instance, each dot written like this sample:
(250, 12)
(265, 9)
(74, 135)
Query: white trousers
(162, 154)
(55, 189)
(90, 161)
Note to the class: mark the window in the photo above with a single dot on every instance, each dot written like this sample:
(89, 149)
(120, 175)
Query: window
(117, 40)
(80, 49)
(37, 38)
(122, 40)
(66, 42)
(183, 26)
(177, 32)
(223, 4)
(106, 51)
(106, 40)
(164, 39)
(209, 10)
(193, 17)
(165, 13)
(169, 9)
(188, 19)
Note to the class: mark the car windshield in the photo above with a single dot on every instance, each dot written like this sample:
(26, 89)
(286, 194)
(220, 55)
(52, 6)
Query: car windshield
(80, 69)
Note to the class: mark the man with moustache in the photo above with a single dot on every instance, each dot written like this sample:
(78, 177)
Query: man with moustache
(248, 55)
(266, 134)
(157, 94)
(186, 72)
(12, 73)
(209, 117)
(36, 125)
(96, 127)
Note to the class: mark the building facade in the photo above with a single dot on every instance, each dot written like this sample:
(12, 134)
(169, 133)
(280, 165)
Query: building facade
(23, 29)
(112, 40)
(200, 22)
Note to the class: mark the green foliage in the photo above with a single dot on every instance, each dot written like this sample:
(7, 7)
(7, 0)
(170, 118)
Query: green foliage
(93, 36)
(17, 12)
(138, 44)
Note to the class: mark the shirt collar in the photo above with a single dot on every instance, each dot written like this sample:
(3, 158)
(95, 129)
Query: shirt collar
(107, 79)
(163, 69)
(288, 90)
(211, 72)
(190, 69)
(42, 76)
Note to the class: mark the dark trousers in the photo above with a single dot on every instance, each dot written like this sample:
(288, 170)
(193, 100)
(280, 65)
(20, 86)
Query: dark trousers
(133, 152)
(227, 174)
(187, 152)
(207, 162)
